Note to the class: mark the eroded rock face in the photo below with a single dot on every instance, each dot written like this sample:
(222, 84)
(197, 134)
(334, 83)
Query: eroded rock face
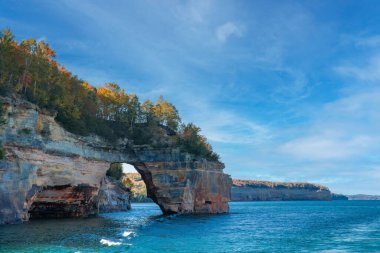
(50, 172)
(113, 196)
(61, 201)
(187, 186)
(250, 190)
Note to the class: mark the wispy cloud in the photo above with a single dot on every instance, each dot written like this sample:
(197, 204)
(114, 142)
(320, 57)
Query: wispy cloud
(254, 75)
(227, 30)
(370, 41)
(344, 129)
(369, 71)
(326, 147)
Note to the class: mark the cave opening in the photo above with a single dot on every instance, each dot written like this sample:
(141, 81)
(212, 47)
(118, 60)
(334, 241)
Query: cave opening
(122, 187)
(132, 179)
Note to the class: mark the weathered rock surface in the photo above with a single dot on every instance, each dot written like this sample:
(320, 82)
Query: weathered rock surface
(49, 171)
(251, 190)
(113, 196)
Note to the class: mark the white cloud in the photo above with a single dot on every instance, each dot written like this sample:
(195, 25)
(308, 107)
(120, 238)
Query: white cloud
(368, 72)
(227, 30)
(371, 41)
(225, 126)
(344, 129)
(323, 147)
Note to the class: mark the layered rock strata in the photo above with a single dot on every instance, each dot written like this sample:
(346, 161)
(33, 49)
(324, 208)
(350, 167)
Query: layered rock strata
(49, 172)
(251, 190)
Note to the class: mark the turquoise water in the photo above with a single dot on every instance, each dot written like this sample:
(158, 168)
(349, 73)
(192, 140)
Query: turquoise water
(335, 226)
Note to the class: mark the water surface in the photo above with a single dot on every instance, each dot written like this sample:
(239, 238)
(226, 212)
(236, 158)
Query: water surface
(331, 226)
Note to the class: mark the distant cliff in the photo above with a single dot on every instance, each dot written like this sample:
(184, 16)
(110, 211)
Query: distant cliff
(363, 197)
(336, 196)
(137, 186)
(252, 190)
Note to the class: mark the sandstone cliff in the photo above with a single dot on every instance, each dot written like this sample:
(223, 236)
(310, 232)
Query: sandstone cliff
(363, 197)
(251, 190)
(113, 196)
(48, 171)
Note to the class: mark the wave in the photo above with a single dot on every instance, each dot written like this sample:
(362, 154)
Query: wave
(109, 243)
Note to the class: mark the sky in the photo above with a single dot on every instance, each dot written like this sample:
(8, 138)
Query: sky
(283, 90)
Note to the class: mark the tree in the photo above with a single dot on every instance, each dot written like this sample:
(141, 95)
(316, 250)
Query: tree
(28, 69)
(167, 114)
(195, 143)
(115, 171)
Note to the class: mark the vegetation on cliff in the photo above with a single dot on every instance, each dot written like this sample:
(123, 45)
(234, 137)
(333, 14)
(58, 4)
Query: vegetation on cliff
(115, 171)
(134, 182)
(28, 69)
(277, 185)
(131, 181)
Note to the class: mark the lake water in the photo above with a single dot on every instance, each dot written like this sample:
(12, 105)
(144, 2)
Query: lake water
(334, 226)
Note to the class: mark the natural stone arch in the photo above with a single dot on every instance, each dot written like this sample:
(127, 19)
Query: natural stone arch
(44, 160)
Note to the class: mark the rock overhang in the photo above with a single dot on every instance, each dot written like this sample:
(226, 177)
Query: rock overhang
(41, 154)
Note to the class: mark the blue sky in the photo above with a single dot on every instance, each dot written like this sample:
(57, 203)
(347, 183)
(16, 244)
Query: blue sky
(284, 90)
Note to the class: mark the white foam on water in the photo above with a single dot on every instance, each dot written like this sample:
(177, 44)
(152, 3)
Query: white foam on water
(109, 243)
(127, 233)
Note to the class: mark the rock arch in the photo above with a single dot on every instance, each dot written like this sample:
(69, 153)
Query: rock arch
(62, 172)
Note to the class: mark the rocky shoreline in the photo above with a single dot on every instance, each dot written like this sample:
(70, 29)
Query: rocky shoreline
(253, 190)
(46, 171)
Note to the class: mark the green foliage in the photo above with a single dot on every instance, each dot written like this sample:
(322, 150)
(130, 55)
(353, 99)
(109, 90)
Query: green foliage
(115, 171)
(193, 142)
(2, 153)
(28, 69)
(127, 182)
(134, 182)
(2, 120)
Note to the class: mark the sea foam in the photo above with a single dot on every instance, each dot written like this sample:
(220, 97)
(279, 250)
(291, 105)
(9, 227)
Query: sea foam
(109, 243)
(127, 233)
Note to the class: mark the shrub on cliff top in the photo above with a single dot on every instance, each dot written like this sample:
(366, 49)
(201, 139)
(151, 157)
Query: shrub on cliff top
(115, 171)
(2, 153)
(28, 68)
(2, 120)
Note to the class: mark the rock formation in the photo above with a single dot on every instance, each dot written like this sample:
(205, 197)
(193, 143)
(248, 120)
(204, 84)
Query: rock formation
(251, 190)
(49, 172)
(363, 197)
(113, 196)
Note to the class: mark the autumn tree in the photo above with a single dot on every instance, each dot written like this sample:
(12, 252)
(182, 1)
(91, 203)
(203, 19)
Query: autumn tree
(28, 69)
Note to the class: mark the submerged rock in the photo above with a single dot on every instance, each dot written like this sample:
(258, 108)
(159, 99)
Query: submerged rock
(252, 190)
(49, 172)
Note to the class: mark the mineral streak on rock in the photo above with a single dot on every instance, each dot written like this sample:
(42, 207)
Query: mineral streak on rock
(49, 172)
(252, 190)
